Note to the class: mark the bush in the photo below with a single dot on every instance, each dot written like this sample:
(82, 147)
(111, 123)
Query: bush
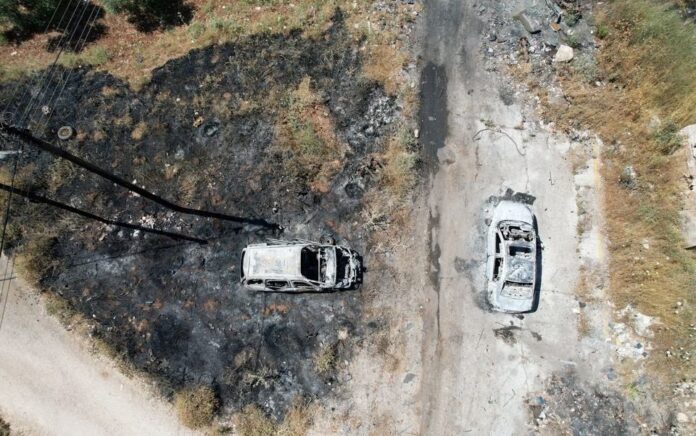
(148, 15)
(196, 407)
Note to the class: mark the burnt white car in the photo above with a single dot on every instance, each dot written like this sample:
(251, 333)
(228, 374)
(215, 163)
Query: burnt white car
(512, 258)
(299, 266)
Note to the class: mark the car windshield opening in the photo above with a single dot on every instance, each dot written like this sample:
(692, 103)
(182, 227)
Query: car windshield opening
(313, 263)
(310, 263)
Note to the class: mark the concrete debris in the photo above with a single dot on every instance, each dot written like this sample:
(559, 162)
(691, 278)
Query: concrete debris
(564, 54)
(641, 323)
(626, 344)
(531, 24)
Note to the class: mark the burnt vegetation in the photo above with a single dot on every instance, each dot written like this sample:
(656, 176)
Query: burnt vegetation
(280, 127)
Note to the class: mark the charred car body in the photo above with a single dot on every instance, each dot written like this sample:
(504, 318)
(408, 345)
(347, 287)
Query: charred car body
(299, 266)
(512, 258)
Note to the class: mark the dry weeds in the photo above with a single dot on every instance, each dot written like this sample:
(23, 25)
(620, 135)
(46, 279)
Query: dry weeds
(252, 421)
(647, 62)
(196, 406)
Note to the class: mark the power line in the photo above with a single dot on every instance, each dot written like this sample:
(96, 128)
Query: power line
(44, 145)
(72, 30)
(40, 78)
(39, 199)
(63, 79)
(27, 112)
(48, 26)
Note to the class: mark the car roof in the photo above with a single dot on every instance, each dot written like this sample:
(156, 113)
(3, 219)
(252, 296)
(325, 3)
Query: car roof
(513, 211)
(273, 262)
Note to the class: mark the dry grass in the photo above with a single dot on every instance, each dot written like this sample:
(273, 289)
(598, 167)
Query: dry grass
(326, 358)
(35, 259)
(132, 55)
(648, 60)
(306, 135)
(196, 406)
(252, 421)
(398, 174)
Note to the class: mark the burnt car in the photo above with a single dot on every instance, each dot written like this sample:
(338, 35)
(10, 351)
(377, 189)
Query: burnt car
(511, 267)
(299, 266)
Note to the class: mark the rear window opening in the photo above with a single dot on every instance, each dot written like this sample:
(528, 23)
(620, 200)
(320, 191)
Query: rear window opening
(517, 250)
(254, 282)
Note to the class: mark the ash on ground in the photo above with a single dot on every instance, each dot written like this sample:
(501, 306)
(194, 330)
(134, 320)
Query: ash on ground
(203, 133)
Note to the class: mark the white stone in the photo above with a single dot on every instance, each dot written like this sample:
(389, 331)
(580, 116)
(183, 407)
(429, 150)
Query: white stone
(564, 54)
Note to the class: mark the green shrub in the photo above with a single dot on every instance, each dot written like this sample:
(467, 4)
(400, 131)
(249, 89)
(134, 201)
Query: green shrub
(668, 138)
(602, 31)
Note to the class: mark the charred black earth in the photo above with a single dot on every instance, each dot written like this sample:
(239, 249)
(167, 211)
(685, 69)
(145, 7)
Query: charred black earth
(202, 134)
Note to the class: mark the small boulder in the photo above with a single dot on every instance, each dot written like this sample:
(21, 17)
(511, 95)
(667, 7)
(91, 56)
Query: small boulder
(530, 23)
(628, 177)
(564, 54)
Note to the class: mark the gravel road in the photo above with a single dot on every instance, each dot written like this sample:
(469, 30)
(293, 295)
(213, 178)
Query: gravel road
(479, 366)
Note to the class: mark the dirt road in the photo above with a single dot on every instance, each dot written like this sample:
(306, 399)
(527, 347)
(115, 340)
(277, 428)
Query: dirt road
(52, 385)
(480, 366)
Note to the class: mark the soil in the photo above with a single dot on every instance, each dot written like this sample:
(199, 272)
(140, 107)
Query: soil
(175, 310)
(54, 383)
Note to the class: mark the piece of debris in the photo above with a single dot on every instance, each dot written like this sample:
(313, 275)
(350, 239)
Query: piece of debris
(507, 334)
(564, 54)
(65, 133)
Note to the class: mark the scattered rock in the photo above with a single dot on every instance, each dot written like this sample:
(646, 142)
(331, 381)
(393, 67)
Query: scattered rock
(564, 54)
(531, 24)
(445, 156)
(628, 177)
(409, 377)
(682, 418)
